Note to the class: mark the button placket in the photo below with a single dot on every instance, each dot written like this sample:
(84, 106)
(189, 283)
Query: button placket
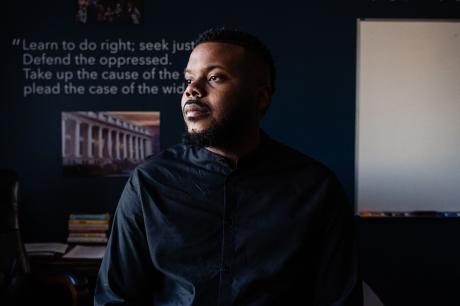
(227, 244)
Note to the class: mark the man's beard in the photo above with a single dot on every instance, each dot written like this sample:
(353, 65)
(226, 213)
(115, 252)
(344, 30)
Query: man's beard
(227, 133)
(217, 135)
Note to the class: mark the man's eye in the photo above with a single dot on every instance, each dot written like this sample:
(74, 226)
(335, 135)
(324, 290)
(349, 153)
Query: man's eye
(215, 78)
(188, 81)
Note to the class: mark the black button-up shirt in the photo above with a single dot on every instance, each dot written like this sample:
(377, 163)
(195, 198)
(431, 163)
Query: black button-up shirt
(191, 229)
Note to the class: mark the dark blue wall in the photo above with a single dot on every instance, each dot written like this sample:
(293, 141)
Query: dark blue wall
(314, 47)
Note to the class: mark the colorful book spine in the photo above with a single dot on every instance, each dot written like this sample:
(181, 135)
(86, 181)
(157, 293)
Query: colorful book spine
(105, 216)
(98, 235)
(73, 229)
(103, 227)
(88, 221)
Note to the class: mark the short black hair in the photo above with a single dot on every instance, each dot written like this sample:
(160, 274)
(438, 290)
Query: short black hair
(245, 40)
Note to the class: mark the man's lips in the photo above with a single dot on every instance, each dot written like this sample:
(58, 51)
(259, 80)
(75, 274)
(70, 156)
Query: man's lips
(194, 109)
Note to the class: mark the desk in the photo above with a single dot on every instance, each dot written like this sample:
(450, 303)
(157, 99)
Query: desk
(84, 269)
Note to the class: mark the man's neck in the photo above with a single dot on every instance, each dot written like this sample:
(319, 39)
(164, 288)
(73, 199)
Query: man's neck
(247, 145)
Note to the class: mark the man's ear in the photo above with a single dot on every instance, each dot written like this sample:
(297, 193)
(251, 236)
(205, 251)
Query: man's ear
(264, 98)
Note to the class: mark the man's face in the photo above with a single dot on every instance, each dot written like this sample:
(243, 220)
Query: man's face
(221, 89)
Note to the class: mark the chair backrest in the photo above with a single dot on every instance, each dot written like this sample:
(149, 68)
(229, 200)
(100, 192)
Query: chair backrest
(14, 263)
(18, 286)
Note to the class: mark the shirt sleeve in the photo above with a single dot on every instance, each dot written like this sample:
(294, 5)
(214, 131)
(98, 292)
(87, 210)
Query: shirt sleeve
(126, 273)
(338, 281)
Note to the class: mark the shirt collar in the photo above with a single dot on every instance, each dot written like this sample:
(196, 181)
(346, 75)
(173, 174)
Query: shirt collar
(246, 160)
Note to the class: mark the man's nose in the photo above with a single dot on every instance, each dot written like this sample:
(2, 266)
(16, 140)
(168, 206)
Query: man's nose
(194, 89)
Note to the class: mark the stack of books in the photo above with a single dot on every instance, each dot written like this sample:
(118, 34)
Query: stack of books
(88, 228)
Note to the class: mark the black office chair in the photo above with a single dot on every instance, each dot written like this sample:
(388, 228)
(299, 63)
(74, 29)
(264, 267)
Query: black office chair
(15, 277)
(18, 285)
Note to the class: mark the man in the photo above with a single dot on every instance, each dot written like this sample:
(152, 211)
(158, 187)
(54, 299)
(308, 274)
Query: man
(230, 216)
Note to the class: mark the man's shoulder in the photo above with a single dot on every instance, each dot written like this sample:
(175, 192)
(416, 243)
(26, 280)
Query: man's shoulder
(168, 156)
(300, 162)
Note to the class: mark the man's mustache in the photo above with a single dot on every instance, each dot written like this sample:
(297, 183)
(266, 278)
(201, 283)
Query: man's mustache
(197, 102)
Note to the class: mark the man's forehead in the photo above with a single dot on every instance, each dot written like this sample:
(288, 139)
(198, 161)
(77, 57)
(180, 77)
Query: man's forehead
(205, 67)
(215, 55)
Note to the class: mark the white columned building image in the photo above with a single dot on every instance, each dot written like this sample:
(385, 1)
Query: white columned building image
(107, 143)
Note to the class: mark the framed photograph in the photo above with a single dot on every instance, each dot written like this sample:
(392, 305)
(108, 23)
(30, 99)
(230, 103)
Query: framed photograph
(109, 11)
(108, 143)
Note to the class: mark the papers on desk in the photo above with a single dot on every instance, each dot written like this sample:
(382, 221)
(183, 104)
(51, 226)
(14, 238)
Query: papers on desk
(53, 248)
(86, 251)
(45, 248)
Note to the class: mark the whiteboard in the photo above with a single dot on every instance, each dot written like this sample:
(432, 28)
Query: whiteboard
(408, 115)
